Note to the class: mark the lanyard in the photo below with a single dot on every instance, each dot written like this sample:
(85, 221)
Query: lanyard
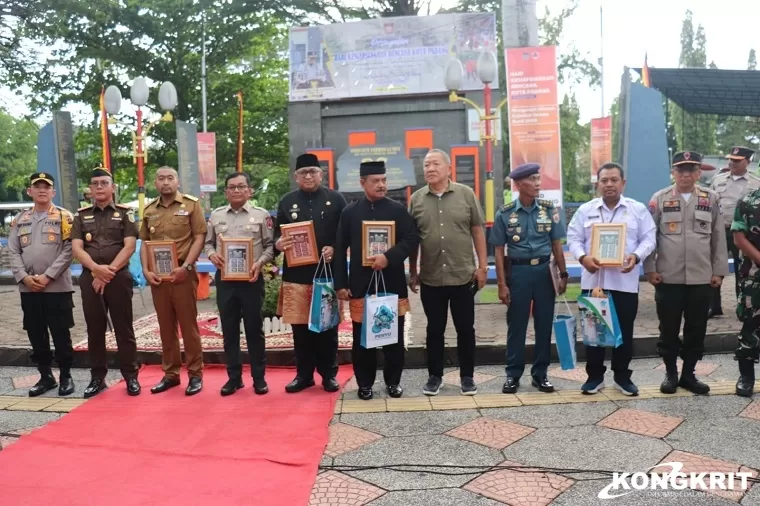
(614, 212)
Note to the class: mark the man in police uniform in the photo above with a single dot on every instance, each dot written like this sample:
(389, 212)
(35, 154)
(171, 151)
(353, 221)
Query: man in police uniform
(103, 240)
(239, 220)
(731, 186)
(689, 261)
(530, 230)
(176, 217)
(311, 202)
(39, 250)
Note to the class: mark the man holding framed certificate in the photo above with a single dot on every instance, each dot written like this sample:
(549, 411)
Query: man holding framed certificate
(610, 236)
(239, 241)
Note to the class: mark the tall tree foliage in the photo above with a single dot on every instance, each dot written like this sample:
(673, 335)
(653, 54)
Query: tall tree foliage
(18, 156)
(739, 130)
(576, 161)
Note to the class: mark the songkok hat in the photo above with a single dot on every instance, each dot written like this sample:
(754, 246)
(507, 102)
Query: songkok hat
(307, 160)
(740, 153)
(687, 157)
(524, 170)
(42, 176)
(371, 168)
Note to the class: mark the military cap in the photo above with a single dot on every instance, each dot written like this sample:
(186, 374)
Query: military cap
(101, 171)
(371, 168)
(524, 170)
(42, 176)
(687, 157)
(307, 160)
(740, 153)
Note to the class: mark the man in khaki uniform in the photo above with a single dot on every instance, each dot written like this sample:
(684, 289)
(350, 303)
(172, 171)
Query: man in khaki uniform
(39, 251)
(731, 186)
(179, 218)
(690, 260)
(236, 298)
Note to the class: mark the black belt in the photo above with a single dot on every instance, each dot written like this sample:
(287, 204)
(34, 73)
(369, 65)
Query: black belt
(528, 261)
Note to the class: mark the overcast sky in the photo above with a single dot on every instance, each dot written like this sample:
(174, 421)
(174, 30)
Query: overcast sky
(631, 29)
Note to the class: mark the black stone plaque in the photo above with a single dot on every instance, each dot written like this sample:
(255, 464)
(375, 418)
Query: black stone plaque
(187, 158)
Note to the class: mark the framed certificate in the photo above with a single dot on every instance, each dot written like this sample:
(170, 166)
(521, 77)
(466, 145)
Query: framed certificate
(608, 243)
(377, 238)
(304, 249)
(162, 258)
(238, 259)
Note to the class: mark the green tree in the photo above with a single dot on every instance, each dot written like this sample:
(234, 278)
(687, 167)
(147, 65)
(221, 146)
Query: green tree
(739, 130)
(18, 156)
(576, 162)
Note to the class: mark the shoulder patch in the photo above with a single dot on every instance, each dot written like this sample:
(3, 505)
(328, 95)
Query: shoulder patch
(84, 208)
(270, 223)
(652, 206)
(508, 206)
(190, 197)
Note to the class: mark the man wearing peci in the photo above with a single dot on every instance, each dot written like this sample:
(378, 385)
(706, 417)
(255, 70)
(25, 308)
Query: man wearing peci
(353, 286)
(236, 299)
(621, 283)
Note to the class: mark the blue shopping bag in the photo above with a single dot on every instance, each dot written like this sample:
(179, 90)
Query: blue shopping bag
(135, 268)
(380, 316)
(564, 337)
(323, 312)
(599, 322)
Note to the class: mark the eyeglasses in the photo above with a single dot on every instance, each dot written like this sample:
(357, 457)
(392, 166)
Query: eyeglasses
(101, 184)
(308, 172)
(240, 187)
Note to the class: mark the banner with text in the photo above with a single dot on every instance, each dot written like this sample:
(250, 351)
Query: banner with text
(387, 56)
(399, 169)
(207, 161)
(534, 116)
(187, 158)
(601, 144)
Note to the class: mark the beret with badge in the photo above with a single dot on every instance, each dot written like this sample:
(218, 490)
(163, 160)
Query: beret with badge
(524, 170)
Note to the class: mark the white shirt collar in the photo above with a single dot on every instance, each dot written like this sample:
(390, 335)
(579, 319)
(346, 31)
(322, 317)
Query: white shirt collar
(623, 202)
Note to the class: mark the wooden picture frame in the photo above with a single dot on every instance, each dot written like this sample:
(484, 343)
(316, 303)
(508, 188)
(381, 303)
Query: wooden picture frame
(238, 258)
(162, 258)
(608, 243)
(377, 238)
(304, 250)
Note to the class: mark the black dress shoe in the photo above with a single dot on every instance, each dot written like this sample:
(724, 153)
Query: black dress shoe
(510, 386)
(260, 386)
(133, 387)
(66, 385)
(330, 385)
(693, 385)
(232, 386)
(46, 382)
(395, 391)
(165, 384)
(298, 385)
(95, 387)
(365, 394)
(543, 385)
(195, 386)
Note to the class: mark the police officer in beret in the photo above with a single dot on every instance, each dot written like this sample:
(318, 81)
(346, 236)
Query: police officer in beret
(526, 232)
(39, 251)
(103, 240)
(689, 262)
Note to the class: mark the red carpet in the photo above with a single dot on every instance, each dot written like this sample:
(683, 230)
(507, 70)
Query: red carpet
(171, 449)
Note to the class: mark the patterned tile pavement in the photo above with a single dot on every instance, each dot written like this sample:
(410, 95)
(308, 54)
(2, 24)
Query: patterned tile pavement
(346, 438)
(752, 411)
(578, 374)
(453, 378)
(520, 487)
(693, 463)
(702, 368)
(337, 489)
(489, 432)
(641, 422)
(32, 379)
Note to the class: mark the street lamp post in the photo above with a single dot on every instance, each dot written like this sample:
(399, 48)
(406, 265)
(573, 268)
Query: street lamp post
(138, 94)
(486, 73)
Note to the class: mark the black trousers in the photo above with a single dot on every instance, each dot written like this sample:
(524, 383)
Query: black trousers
(117, 301)
(365, 360)
(716, 303)
(237, 299)
(53, 311)
(690, 301)
(626, 307)
(436, 301)
(315, 351)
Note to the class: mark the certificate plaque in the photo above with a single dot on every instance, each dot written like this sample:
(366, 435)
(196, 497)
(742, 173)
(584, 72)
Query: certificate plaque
(238, 258)
(162, 258)
(377, 238)
(608, 243)
(304, 249)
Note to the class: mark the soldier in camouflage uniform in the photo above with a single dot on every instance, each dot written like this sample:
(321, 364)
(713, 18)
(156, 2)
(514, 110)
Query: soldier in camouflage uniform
(746, 231)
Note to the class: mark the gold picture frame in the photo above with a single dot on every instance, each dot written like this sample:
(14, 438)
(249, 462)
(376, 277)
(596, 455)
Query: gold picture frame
(162, 258)
(608, 243)
(238, 258)
(377, 238)
(304, 250)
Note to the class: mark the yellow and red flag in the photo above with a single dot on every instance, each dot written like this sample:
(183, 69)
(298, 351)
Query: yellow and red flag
(239, 157)
(645, 73)
(105, 143)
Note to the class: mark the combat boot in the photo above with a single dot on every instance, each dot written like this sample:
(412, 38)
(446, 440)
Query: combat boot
(47, 382)
(746, 382)
(670, 384)
(689, 380)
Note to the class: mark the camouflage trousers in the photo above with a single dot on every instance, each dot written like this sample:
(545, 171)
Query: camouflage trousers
(748, 311)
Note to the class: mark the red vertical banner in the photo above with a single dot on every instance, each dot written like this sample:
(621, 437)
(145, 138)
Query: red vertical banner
(534, 115)
(239, 157)
(601, 144)
(207, 161)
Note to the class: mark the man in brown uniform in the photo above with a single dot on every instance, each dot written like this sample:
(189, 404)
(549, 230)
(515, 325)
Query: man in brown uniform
(179, 218)
(103, 240)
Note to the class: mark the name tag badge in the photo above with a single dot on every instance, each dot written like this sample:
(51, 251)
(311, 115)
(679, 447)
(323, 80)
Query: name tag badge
(671, 206)
(181, 213)
(116, 218)
(24, 230)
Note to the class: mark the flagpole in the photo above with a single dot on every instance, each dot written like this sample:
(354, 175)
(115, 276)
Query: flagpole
(203, 69)
(601, 57)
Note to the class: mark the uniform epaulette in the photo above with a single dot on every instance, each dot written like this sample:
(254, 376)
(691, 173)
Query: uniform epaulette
(152, 202)
(123, 206)
(261, 209)
(190, 197)
(218, 209)
(88, 206)
(545, 203)
(508, 206)
(664, 191)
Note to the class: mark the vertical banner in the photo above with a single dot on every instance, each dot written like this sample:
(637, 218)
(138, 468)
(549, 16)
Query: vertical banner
(207, 161)
(104, 140)
(465, 160)
(534, 116)
(601, 144)
(239, 156)
(187, 158)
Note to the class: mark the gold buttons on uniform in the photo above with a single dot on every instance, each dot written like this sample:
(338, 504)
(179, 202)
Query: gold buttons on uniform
(88, 236)
(516, 238)
(152, 230)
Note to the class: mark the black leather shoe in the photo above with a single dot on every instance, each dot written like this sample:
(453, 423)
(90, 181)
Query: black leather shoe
(693, 385)
(543, 385)
(670, 384)
(298, 385)
(746, 383)
(195, 386)
(365, 394)
(232, 386)
(133, 387)
(94, 388)
(260, 386)
(395, 391)
(165, 384)
(66, 385)
(47, 382)
(510, 386)
(330, 385)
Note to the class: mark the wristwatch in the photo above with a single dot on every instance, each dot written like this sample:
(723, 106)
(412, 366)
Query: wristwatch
(564, 275)
(189, 267)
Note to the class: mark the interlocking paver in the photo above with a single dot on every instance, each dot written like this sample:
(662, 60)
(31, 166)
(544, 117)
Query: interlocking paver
(578, 374)
(520, 487)
(345, 438)
(694, 463)
(641, 422)
(337, 489)
(490, 432)
(752, 411)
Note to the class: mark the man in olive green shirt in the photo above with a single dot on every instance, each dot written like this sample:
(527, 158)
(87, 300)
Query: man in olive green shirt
(450, 221)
